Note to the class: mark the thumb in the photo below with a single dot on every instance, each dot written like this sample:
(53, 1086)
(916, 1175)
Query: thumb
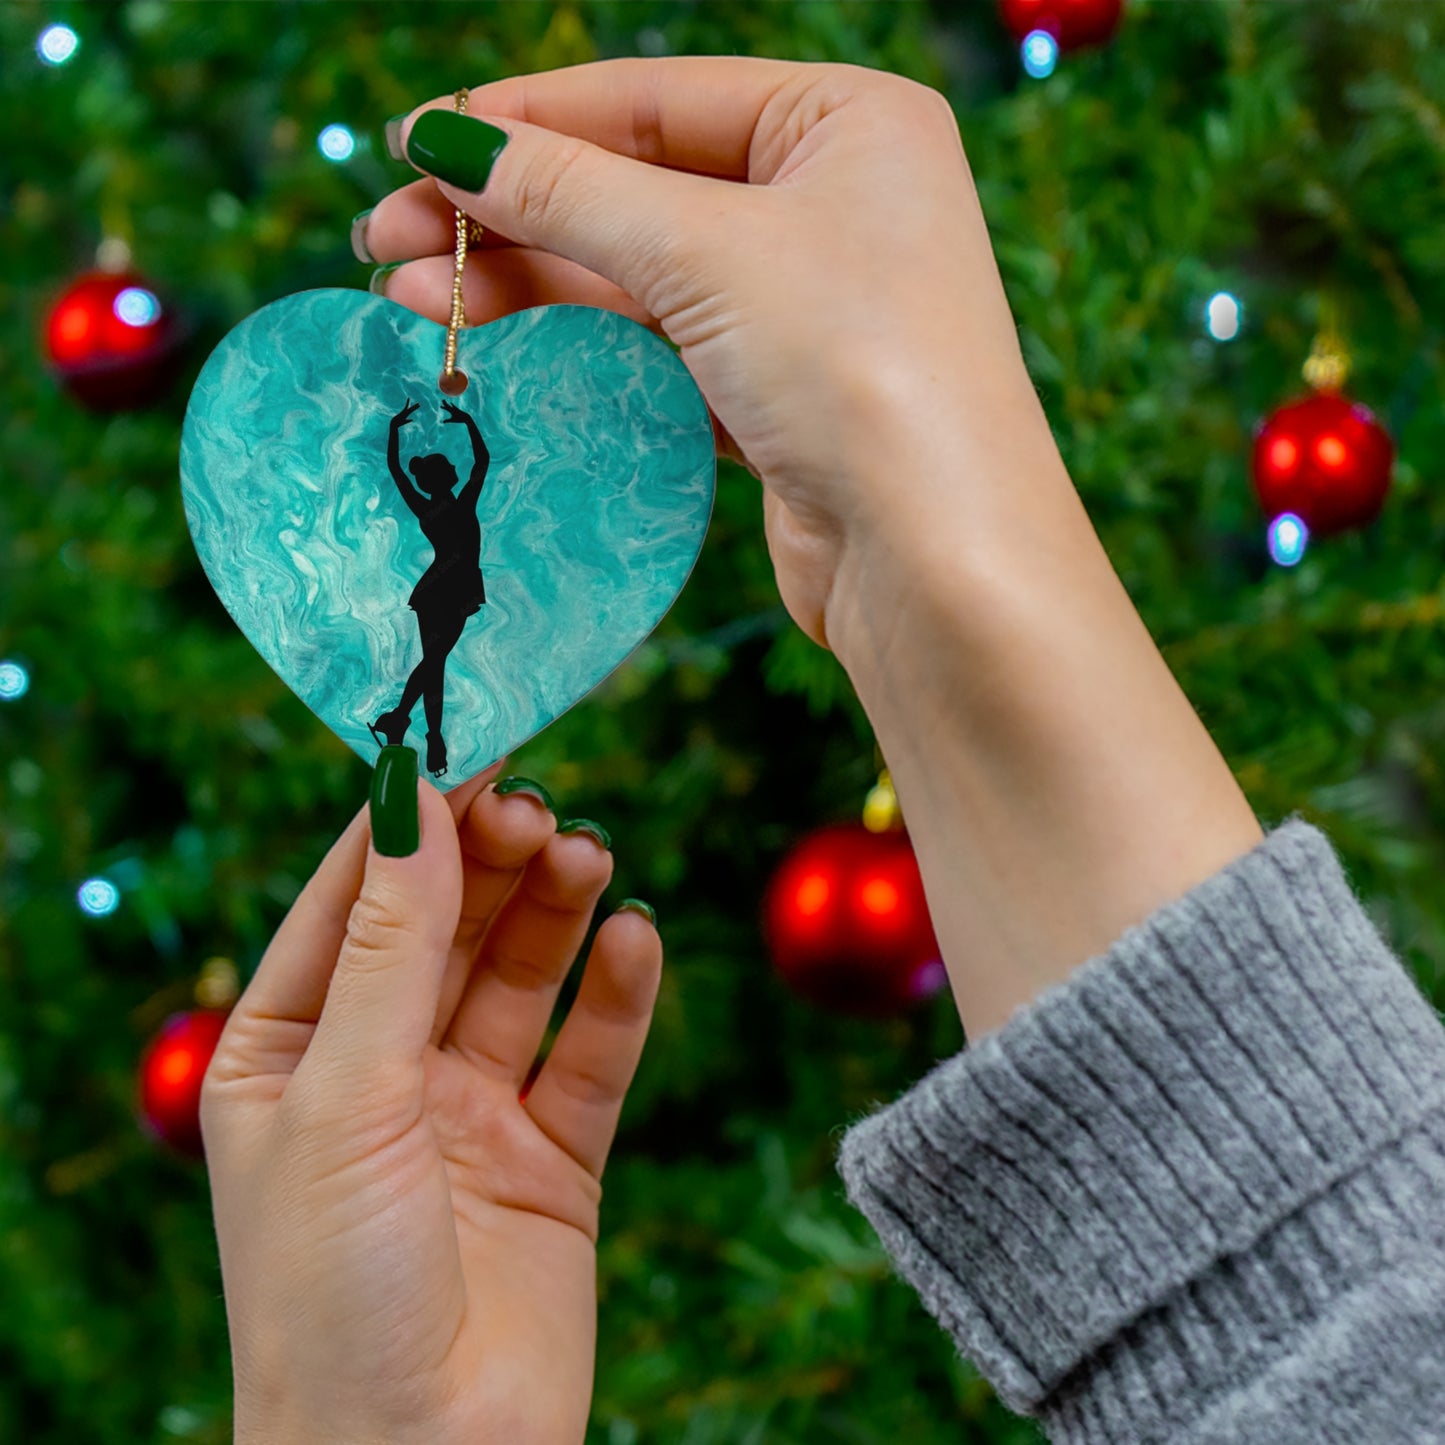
(636, 225)
(382, 1000)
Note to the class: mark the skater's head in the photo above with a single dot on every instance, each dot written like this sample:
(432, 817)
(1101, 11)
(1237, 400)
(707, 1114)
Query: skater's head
(434, 475)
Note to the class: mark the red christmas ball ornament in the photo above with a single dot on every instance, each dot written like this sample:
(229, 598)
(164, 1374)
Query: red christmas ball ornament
(1073, 23)
(1324, 458)
(847, 924)
(171, 1071)
(111, 341)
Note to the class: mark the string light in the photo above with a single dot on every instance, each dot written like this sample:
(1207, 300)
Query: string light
(136, 306)
(1223, 316)
(930, 977)
(57, 44)
(98, 897)
(1288, 537)
(1040, 52)
(336, 143)
(14, 681)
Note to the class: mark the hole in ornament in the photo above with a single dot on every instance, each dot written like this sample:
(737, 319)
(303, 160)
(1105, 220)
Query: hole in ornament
(455, 384)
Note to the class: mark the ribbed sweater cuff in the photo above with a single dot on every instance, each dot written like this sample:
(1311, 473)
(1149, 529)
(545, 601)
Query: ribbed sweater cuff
(1134, 1154)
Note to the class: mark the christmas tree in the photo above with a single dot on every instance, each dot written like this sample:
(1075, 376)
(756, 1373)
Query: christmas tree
(1180, 214)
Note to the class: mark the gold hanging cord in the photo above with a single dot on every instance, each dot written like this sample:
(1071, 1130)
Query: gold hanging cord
(454, 382)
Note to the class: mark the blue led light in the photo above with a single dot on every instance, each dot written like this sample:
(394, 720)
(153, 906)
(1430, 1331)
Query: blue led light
(927, 979)
(1288, 537)
(98, 897)
(336, 143)
(1040, 52)
(136, 306)
(14, 681)
(1223, 316)
(57, 44)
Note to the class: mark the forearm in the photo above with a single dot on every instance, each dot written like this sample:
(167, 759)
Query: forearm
(1056, 782)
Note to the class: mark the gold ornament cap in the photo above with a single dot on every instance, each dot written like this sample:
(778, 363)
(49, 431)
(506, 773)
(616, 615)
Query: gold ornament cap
(219, 985)
(1328, 366)
(881, 813)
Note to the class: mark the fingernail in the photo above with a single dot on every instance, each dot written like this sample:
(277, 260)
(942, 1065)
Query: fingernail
(359, 248)
(526, 785)
(586, 825)
(455, 148)
(393, 137)
(395, 824)
(379, 278)
(636, 905)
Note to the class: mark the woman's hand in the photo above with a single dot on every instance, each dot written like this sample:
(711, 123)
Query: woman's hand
(810, 237)
(408, 1247)
(405, 414)
(848, 290)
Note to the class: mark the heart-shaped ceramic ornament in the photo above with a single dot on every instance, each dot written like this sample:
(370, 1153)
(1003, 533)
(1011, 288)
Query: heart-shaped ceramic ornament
(452, 572)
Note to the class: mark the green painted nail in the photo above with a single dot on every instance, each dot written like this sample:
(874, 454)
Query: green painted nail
(586, 825)
(636, 905)
(379, 278)
(359, 248)
(526, 785)
(395, 824)
(393, 136)
(455, 148)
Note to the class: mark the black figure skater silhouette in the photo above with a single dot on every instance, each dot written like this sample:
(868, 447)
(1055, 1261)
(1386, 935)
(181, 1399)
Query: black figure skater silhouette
(450, 589)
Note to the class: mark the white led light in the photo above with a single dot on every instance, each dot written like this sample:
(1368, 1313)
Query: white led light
(136, 306)
(336, 143)
(1223, 316)
(1040, 52)
(98, 897)
(14, 681)
(57, 44)
(1288, 537)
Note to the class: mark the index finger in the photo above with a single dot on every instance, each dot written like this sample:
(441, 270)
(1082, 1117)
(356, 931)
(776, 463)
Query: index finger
(695, 113)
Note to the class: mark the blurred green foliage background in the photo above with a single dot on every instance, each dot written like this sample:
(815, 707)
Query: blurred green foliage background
(1288, 153)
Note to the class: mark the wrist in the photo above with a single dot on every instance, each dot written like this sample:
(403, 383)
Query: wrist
(947, 462)
(1057, 784)
(953, 521)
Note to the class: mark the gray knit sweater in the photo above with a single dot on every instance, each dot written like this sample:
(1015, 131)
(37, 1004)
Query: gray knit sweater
(1196, 1192)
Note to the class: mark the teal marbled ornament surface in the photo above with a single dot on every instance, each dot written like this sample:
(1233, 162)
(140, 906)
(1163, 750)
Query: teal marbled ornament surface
(597, 494)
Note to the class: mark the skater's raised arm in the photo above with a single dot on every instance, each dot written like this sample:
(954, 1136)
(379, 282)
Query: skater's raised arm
(404, 484)
(481, 457)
